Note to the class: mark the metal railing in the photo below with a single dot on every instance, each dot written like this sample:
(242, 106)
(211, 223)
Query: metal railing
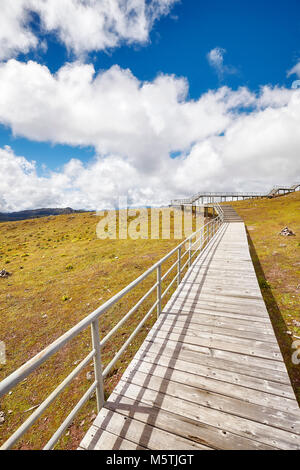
(214, 194)
(195, 242)
(209, 194)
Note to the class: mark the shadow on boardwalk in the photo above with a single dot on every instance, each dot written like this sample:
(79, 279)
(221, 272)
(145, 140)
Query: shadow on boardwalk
(158, 396)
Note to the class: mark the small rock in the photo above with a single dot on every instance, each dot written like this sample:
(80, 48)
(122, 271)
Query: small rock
(2, 417)
(45, 315)
(282, 245)
(288, 332)
(89, 375)
(82, 422)
(93, 416)
(296, 323)
(4, 273)
(275, 253)
(286, 232)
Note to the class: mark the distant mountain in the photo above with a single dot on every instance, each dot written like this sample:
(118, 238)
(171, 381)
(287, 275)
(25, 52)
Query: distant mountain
(32, 214)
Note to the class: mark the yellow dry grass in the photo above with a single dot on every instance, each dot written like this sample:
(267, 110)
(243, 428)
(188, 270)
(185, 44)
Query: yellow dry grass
(61, 272)
(277, 262)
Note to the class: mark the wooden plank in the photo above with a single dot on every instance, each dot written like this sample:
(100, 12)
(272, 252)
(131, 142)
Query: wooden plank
(260, 432)
(237, 331)
(232, 322)
(238, 378)
(98, 439)
(263, 414)
(189, 428)
(250, 395)
(228, 343)
(211, 306)
(221, 354)
(143, 434)
(236, 303)
(185, 310)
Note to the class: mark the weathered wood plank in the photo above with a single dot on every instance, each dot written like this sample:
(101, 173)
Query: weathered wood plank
(231, 322)
(237, 378)
(143, 434)
(249, 395)
(97, 439)
(262, 414)
(226, 343)
(218, 418)
(233, 362)
(189, 428)
(236, 331)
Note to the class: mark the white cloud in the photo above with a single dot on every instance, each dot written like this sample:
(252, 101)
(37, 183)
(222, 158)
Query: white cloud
(81, 25)
(112, 111)
(294, 70)
(216, 59)
(134, 127)
(15, 35)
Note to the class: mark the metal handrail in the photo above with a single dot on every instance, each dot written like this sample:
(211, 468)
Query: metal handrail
(205, 233)
(232, 193)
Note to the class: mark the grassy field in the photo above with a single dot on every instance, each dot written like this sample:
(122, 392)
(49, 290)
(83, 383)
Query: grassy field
(61, 272)
(277, 263)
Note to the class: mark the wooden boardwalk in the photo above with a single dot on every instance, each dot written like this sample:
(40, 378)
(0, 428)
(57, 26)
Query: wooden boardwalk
(210, 374)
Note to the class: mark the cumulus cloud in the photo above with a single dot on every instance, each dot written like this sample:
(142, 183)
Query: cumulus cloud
(216, 59)
(226, 140)
(81, 25)
(15, 34)
(112, 110)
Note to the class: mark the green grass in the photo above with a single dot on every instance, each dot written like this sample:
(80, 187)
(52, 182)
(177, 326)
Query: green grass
(61, 272)
(277, 263)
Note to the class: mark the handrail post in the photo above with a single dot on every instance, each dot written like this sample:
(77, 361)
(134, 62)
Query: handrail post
(190, 254)
(179, 267)
(159, 290)
(97, 364)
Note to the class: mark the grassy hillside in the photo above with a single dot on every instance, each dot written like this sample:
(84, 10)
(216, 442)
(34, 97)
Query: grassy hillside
(277, 263)
(61, 272)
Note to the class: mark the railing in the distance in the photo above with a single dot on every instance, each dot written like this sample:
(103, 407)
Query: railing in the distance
(196, 242)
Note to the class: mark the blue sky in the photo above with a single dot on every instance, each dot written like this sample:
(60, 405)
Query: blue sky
(259, 43)
(261, 39)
